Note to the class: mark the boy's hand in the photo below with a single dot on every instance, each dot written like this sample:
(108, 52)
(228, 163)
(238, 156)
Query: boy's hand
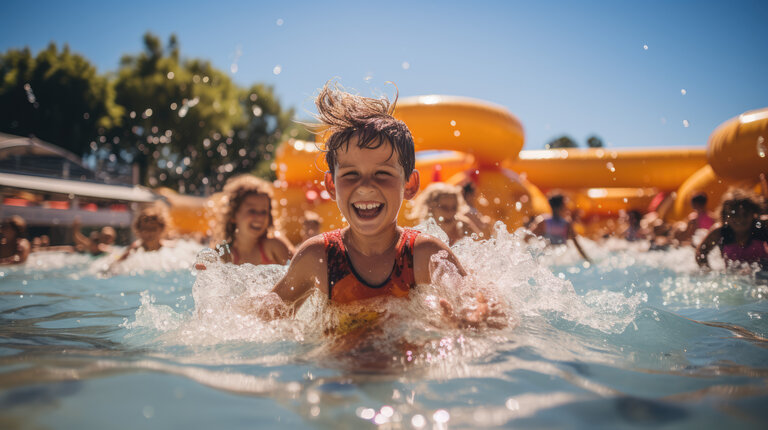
(483, 314)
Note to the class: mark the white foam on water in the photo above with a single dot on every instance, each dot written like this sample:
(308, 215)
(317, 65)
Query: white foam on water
(180, 255)
(228, 300)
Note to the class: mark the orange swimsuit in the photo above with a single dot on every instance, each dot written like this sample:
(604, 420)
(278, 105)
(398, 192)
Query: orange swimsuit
(346, 286)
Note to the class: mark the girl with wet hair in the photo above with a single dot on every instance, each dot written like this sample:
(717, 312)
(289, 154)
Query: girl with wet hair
(246, 224)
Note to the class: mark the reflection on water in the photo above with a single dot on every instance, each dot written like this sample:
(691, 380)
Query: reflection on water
(637, 338)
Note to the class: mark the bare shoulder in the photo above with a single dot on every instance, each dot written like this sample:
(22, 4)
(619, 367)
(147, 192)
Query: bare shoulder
(312, 250)
(279, 248)
(308, 269)
(425, 247)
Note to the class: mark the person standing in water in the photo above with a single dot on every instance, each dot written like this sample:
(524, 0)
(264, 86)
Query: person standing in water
(150, 227)
(14, 247)
(445, 204)
(557, 229)
(246, 226)
(370, 156)
(741, 236)
(698, 219)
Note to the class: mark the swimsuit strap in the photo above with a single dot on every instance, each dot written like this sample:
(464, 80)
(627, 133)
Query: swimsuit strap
(264, 258)
(340, 266)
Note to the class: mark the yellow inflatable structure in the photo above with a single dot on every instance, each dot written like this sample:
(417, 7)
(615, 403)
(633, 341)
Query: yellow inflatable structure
(664, 169)
(737, 152)
(738, 148)
(460, 140)
(484, 130)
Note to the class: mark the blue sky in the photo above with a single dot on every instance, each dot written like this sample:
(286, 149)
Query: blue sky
(562, 67)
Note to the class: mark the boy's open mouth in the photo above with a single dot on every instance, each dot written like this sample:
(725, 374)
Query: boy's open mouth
(367, 210)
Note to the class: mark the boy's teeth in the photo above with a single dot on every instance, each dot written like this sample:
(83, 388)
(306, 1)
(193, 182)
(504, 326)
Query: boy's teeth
(367, 206)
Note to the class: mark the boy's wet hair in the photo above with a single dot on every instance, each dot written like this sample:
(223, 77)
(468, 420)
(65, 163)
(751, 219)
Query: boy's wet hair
(700, 199)
(235, 191)
(344, 115)
(735, 198)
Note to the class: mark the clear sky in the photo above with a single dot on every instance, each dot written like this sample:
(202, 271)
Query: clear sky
(632, 72)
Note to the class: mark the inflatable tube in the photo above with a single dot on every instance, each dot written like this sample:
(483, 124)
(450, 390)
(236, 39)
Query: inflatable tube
(487, 131)
(664, 169)
(738, 148)
(611, 201)
(298, 161)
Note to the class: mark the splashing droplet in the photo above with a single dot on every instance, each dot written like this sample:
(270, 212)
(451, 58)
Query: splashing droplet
(683, 91)
(645, 47)
(277, 69)
(406, 65)
(686, 123)
(762, 150)
(610, 167)
(279, 22)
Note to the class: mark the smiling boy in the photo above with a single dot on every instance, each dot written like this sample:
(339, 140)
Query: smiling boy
(371, 159)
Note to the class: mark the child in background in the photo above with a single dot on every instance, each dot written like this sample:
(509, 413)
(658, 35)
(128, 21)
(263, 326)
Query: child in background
(482, 222)
(97, 243)
(371, 159)
(697, 220)
(741, 237)
(14, 247)
(557, 229)
(246, 224)
(310, 225)
(150, 227)
(445, 204)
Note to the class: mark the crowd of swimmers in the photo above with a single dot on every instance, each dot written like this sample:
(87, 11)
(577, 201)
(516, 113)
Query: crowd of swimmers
(371, 159)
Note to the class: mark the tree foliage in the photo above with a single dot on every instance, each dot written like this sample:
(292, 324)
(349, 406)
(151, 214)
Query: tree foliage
(594, 142)
(561, 142)
(567, 142)
(57, 96)
(186, 124)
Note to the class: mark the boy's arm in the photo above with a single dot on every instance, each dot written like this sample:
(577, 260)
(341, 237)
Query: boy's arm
(308, 270)
(78, 236)
(481, 313)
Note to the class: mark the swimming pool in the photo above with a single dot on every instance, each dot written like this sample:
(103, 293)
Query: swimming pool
(620, 343)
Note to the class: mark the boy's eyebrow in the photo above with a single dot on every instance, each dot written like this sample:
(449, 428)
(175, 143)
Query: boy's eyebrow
(382, 164)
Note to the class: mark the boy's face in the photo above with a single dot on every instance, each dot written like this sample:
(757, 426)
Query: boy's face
(369, 186)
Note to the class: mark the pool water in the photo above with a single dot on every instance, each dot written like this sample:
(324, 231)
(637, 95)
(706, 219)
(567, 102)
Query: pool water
(636, 339)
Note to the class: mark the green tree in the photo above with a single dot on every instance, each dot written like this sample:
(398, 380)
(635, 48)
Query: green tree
(188, 125)
(561, 142)
(595, 142)
(57, 96)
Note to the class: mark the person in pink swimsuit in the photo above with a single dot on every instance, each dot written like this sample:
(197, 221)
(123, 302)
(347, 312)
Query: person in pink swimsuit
(742, 237)
(245, 230)
(698, 219)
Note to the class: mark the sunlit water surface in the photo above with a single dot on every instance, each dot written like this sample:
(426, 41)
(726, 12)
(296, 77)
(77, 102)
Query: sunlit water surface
(638, 339)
